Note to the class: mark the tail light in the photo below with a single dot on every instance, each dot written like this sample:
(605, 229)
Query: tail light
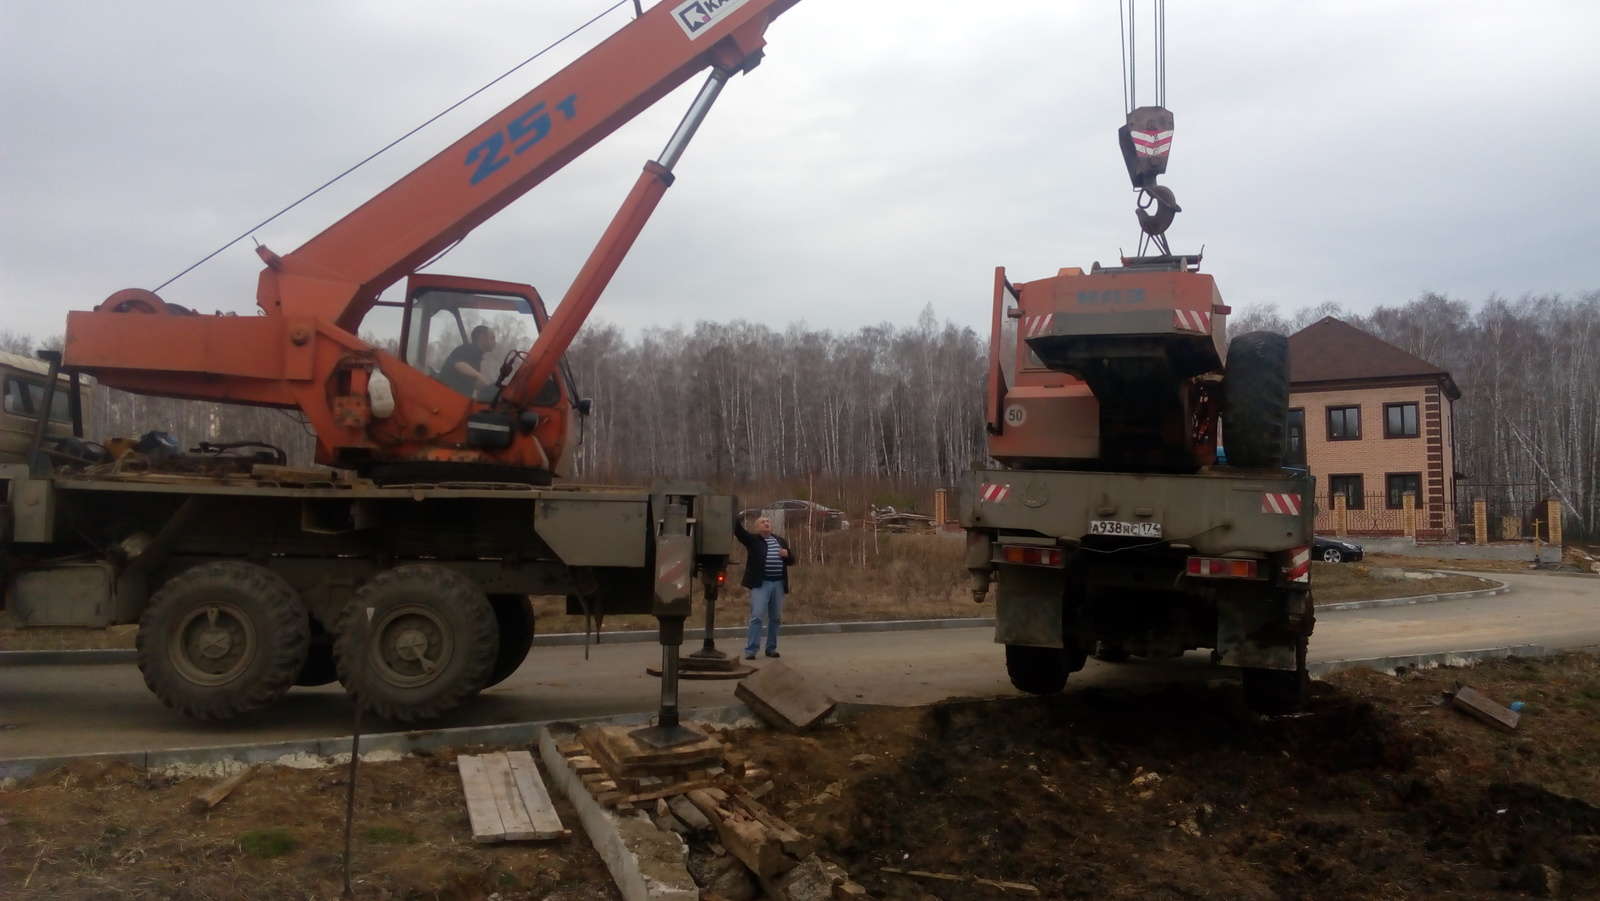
(1222, 568)
(1033, 556)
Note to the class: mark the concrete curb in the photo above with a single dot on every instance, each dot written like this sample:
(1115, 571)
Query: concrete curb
(1500, 588)
(338, 747)
(560, 639)
(1429, 661)
(646, 863)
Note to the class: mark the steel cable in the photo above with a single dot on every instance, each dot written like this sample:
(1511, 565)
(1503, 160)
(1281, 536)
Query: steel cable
(436, 117)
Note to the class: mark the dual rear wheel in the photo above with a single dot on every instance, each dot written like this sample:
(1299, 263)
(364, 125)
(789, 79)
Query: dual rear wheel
(230, 638)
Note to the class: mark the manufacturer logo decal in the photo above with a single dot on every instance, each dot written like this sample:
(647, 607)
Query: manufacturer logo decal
(695, 16)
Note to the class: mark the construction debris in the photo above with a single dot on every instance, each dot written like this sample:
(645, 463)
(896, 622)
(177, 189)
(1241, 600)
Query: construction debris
(213, 796)
(1481, 708)
(1013, 888)
(784, 699)
(506, 799)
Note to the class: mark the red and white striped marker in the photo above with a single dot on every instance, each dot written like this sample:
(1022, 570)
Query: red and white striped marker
(1285, 504)
(1152, 143)
(1299, 568)
(994, 494)
(1034, 326)
(1192, 321)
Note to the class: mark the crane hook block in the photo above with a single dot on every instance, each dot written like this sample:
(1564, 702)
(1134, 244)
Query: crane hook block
(1146, 140)
(1166, 205)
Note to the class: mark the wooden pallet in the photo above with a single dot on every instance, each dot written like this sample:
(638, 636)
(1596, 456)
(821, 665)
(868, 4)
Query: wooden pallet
(506, 798)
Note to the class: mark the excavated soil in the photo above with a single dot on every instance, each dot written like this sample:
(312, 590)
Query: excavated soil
(1177, 792)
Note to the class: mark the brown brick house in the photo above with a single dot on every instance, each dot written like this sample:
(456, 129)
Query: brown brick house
(1372, 423)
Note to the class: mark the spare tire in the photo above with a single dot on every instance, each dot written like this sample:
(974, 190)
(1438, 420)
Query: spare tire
(1255, 400)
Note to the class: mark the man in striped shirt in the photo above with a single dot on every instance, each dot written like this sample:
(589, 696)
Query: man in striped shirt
(766, 574)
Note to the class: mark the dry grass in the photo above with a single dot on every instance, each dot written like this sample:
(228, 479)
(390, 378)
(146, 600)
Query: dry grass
(106, 830)
(1338, 582)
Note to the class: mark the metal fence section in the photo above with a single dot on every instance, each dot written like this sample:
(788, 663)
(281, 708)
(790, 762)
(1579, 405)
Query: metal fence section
(1511, 510)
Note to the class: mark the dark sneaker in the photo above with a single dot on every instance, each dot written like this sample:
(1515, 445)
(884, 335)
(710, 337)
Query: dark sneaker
(749, 656)
(771, 654)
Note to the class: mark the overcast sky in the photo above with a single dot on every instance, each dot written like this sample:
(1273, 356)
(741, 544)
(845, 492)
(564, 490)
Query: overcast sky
(885, 157)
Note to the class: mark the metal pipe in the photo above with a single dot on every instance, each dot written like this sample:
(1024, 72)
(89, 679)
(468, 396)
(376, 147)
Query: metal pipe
(35, 464)
(692, 119)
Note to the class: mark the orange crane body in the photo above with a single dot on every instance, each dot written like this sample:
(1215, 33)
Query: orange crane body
(304, 352)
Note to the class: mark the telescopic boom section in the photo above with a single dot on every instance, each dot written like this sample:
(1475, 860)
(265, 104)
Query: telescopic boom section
(368, 406)
(338, 274)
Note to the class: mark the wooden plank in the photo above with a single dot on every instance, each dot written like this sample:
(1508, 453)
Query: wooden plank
(583, 764)
(213, 796)
(794, 843)
(481, 809)
(744, 838)
(535, 798)
(677, 788)
(784, 698)
(684, 809)
(1479, 707)
(507, 799)
(616, 743)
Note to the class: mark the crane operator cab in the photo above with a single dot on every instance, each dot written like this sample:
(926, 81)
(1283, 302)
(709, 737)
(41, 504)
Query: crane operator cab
(488, 327)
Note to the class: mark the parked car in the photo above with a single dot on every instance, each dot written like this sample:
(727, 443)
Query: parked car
(796, 514)
(1334, 550)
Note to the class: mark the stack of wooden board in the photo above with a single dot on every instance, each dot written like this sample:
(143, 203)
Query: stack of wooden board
(506, 798)
(622, 772)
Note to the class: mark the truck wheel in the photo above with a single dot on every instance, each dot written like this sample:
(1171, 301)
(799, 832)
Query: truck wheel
(1255, 400)
(430, 646)
(222, 640)
(514, 614)
(319, 668)
(1037, 671)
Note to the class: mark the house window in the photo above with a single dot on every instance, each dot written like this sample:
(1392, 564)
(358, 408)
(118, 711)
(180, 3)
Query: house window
(1344, 423)
(1295, 452)
(1399, 420)
(1350, 487)
(1399, 483)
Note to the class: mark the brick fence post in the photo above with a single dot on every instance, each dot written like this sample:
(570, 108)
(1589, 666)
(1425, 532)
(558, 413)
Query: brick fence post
(941, 509)
(1553, 517)
(1480, 522)
(1408, 516)
(1341, 523)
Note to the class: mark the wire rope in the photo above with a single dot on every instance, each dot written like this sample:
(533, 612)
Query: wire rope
(436, 117)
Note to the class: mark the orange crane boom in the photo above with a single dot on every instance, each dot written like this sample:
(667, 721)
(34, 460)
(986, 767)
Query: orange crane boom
(304, 352)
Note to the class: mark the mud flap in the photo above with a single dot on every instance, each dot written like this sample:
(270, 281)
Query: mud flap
(1255, 633)
(1028, 606)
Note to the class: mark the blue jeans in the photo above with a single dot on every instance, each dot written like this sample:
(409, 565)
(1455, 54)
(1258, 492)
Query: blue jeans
(766, 603)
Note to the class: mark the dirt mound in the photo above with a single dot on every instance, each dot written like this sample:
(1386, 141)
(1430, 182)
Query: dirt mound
(1182, 792)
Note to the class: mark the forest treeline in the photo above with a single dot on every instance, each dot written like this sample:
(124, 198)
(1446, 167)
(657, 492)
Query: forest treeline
(891, 411)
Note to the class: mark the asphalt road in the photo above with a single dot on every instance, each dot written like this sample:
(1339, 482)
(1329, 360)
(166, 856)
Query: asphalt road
(85, 709)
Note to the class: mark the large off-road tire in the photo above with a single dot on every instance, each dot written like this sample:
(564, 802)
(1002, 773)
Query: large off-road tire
(1037, 671)
(222, 640)
(430, 645)
(1255, 400)
(514, 614)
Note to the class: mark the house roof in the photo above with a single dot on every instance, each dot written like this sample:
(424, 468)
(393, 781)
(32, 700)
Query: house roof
(1331, 350)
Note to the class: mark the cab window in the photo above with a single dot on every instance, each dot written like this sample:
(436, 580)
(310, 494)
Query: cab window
(26, 399)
